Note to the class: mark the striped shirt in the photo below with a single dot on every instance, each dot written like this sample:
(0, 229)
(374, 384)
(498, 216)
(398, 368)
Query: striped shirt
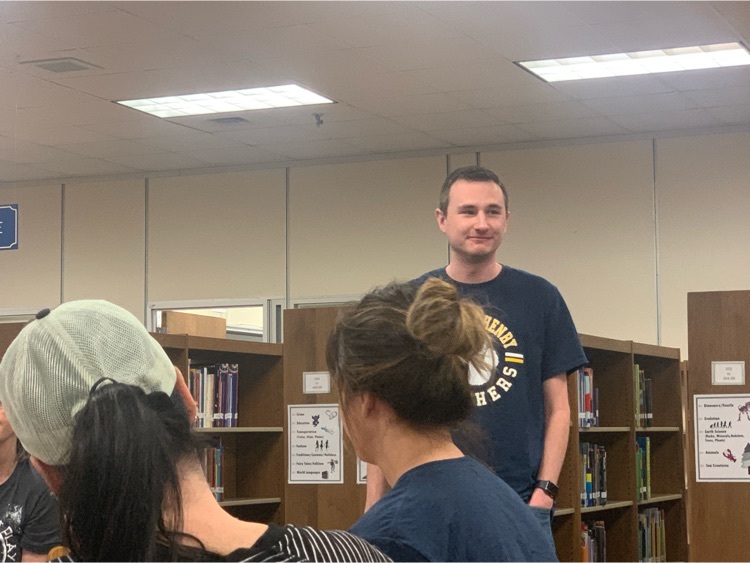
(290, 543)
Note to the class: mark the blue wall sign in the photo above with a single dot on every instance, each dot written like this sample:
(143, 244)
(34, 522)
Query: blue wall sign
(9, 227)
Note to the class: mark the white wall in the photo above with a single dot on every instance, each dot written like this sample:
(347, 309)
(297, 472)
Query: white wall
(104, 243)
(354, 226)
(30, 275)
(581, 215)
(704, 222)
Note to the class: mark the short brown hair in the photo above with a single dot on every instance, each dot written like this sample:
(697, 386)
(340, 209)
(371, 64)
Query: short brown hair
(470, 174)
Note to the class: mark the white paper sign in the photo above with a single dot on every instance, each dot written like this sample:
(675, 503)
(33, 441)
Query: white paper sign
(361, 472)
(316, 452)
(314, 382)
(722, 437)
(728, 373)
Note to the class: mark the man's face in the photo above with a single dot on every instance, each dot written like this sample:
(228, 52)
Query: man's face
(475, 221)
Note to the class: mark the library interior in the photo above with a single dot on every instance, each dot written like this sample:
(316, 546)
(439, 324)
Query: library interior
(236, 174)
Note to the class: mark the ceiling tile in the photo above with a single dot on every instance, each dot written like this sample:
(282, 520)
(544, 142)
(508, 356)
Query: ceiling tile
(407, 55)
(306, 150)
(669, 101)
(12, 172)
(413, 105)
(479, 136)
(449, 120)
(667, 120)
(574, 128)
(720, 96)
(106, 149)
(613, 87)
(736, 114)
(189, 140)
(156, 161)
(530, 113)
(242, 154)
(402, 142)
(85, 167)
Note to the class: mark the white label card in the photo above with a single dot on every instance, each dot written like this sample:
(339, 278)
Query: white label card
(727, 373)
(316, 382)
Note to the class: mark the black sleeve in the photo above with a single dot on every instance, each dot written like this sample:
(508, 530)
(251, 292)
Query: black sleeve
(40, 529)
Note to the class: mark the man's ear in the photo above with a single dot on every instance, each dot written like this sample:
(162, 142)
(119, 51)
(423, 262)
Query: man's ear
(187, 397)
(440, 217)
(50, 473)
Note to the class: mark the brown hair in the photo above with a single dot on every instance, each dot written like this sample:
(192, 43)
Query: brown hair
(411, 346)
(470, 174)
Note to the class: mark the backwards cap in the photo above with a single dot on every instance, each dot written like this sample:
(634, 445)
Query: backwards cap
(48, 371)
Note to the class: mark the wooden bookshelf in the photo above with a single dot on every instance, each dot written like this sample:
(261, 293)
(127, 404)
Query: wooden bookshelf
(253, 471)
(612, 362)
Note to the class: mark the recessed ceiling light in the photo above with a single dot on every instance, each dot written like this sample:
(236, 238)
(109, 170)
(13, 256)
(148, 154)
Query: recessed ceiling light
(231, 100)
(639, 62)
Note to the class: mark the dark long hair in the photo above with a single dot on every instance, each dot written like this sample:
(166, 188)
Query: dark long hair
(120, 494)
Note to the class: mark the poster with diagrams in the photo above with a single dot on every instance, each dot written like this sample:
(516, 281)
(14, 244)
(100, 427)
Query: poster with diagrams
(722, 437)
(316, 454)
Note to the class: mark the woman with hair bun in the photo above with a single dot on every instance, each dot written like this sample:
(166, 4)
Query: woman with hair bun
(401, 359)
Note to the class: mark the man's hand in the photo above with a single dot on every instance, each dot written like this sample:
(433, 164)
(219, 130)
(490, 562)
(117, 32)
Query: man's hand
(541, 499)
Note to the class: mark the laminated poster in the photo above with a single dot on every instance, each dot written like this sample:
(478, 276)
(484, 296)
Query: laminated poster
(722, 438)
(316, 454)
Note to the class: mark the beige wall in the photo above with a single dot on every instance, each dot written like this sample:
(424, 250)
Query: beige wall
(582, 216)
(104, 243)
(354, 226)
(704, 222)
(30, 275)
(217, 236)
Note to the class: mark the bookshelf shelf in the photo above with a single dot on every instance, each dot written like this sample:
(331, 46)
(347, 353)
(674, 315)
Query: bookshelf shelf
(655, 499)
(602, 458)
(609, 506)
(241, 430)
(564, 511)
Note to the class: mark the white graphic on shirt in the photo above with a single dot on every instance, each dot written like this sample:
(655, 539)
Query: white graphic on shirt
(10, 522)
(476, 377)
(505, 375)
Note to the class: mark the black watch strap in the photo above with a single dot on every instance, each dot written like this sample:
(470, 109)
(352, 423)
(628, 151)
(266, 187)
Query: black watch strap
(549, 488)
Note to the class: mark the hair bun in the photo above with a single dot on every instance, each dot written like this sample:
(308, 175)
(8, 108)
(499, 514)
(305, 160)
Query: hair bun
(445, 323)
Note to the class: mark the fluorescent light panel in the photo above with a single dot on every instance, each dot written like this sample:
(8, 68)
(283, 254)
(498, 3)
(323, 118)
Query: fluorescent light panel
(639, 62)
(232, 100)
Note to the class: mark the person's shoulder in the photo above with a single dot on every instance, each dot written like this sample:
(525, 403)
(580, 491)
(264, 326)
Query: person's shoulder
(437, 273)
(523, 275)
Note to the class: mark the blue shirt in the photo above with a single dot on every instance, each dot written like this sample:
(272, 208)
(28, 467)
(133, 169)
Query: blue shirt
(534, 339)
(454, 510)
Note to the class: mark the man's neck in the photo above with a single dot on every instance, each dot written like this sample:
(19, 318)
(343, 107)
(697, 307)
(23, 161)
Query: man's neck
(467, 272)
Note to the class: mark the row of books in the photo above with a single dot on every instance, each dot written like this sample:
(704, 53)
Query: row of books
(588, 398)
(644, 414)
(212, 462)
(593, 541)
(214, 388)
(652, 545)
(594, 474)
(643, 467)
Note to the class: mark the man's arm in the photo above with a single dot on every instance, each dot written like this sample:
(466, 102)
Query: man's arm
(377, 486)
(556, 430)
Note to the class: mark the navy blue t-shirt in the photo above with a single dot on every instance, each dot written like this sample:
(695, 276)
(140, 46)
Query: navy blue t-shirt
(534, 339)
(454, 510)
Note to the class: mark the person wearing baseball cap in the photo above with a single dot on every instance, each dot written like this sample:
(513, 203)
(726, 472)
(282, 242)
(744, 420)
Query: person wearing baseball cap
(106, 419)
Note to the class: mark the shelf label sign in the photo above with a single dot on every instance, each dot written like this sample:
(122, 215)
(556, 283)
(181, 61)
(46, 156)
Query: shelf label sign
(9, 226)
(316, 452)
(722, 438)
(728, 373)
(316, 382)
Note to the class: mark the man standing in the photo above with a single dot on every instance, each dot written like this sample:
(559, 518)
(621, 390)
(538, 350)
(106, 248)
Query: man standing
(522, 403)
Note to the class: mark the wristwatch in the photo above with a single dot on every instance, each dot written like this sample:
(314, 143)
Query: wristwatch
(550, 489)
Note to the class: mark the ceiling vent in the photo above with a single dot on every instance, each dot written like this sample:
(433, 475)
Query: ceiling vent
(229, 120)
(65, 64)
